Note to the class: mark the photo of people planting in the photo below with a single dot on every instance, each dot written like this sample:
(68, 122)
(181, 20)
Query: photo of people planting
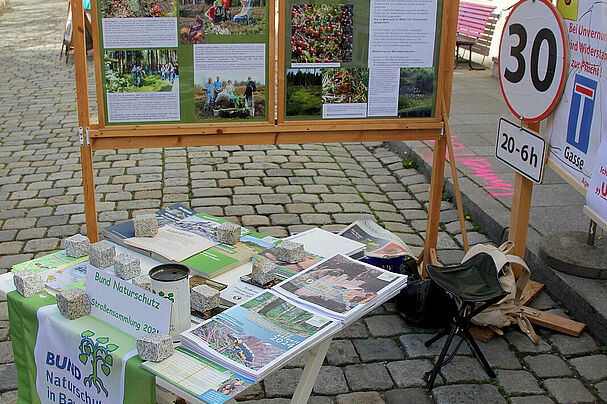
(229, 95)
(148, 70)
(416, 92)
(345, 86)
(304, 92)
(138, 8)
(321, 33)
(198, 18)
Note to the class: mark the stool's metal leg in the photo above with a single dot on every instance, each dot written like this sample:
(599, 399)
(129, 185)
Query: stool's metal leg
(437, 337)
(434, 372)
(479, 353)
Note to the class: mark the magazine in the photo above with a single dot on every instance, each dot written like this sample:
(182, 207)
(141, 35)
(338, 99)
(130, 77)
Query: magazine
(340, 287)
(380, 242)
(324, 243)
(258, 336)
(198, 376)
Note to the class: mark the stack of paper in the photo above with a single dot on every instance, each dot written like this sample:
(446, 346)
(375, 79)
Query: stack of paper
(258, 336)
(340, 287)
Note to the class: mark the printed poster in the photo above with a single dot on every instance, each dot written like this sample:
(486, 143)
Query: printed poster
(577, 126)
(159, 55)
(361, 59)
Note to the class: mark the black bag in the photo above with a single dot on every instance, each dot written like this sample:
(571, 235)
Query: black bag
(423, 303)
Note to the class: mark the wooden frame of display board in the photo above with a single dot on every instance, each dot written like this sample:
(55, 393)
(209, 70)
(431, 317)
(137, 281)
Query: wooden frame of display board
(97, 136)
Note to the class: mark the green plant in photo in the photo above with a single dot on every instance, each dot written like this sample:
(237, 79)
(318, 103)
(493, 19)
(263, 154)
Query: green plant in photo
(446, 196)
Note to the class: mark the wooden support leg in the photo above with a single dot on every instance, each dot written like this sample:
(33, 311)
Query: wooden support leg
(88, 186)
(310, 372)
(458, 195)
(519, 217)
(86, 156)
(436, 191)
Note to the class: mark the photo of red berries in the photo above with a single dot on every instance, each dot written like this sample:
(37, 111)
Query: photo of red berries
(321, 33)
(138, 8)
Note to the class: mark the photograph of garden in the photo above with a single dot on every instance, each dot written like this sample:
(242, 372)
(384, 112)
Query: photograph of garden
(138, 8)
(198, 18)
(416, 92)
(345, 86)
(321, 33)
(229, 95)
(304, 92)
(148, 70)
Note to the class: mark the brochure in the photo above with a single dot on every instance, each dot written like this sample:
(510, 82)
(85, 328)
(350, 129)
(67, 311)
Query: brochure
(49, 263)
(118, 232)
(380, 242)
(258, 336)
(198, 376)
(340, 287)
(67, 278)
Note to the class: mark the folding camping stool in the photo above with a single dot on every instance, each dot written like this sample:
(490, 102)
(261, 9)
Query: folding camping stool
(475, 286)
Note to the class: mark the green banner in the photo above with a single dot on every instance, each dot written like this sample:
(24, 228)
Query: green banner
(73, 361)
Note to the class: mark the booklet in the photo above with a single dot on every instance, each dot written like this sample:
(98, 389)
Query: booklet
(340, 287)
(172, 243)
(67, 278)
(198, 376)
(257, 336)
(380, 242)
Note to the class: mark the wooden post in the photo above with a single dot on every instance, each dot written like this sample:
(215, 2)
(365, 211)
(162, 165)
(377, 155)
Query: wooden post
(86, 154)
(436, 192)
(521, 205)
(458, 195)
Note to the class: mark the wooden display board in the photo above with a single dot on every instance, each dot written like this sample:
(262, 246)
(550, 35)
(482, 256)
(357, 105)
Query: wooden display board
(281, 127)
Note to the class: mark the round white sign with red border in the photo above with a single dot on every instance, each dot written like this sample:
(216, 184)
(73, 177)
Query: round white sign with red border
(533, 59)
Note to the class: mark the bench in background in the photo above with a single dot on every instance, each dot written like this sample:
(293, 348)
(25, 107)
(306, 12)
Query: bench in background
(475, 26)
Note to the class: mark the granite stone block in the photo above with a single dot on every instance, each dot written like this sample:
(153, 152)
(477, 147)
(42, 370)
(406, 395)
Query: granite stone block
(155, 347)
(126, 266)
(101, 254)
(145, 225)
(290, 251)
(228, 233)
(144, 282)
(28, 283)
(77, 246)
(204, 298)
(73, 303)
(264, 270)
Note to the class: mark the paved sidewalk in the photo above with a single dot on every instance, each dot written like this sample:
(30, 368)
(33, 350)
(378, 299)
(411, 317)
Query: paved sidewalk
(276, 190)
(487, 188)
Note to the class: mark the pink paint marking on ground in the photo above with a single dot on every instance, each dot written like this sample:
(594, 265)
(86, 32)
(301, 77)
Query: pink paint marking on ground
(481, 168)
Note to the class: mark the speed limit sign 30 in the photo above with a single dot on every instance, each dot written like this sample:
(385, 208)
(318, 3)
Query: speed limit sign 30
(533, 59)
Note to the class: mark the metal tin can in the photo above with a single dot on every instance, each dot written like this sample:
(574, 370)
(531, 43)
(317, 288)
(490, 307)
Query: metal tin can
(170, 281)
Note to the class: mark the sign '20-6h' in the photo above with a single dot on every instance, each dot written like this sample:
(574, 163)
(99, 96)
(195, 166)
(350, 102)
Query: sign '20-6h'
(533, 59)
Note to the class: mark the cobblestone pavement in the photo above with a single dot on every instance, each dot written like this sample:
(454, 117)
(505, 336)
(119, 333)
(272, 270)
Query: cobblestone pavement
(276, 190)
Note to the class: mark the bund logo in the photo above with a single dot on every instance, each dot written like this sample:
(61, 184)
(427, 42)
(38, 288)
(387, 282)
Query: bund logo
(568, 9)
(99, 354)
